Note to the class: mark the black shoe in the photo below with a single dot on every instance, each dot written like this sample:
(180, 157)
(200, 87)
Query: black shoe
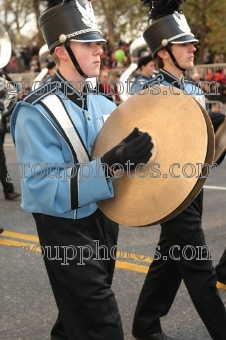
(156, 336)
(1, 230)
(11, 196)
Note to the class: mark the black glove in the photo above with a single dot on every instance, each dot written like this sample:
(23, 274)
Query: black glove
(132, 135)
(137, 150)
(216, 119)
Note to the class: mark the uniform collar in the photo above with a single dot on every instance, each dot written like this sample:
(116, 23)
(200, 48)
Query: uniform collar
(70, 92)
(144, 77)
(172, 80)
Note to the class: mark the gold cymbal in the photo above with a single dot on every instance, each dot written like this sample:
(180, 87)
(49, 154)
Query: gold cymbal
(220, 141)
(183, 141)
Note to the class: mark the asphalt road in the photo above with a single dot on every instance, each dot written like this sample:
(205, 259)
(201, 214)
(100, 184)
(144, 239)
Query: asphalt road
(28, 309)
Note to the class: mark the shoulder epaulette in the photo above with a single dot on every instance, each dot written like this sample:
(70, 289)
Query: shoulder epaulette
(156, 81)
(41, 92)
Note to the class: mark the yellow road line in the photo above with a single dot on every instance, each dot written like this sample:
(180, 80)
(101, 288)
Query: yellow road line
(7, 242)
(20, 236)
(33, 247)
(130, 266)
(36, 248)
(221, 285)
(132, 256)
(119, 264)
(120, 254)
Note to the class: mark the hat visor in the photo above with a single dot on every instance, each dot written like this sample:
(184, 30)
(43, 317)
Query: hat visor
(89, 37)
(185, 39)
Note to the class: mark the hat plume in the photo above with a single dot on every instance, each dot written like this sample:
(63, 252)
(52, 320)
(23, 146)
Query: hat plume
(161, 8)
(53, 3)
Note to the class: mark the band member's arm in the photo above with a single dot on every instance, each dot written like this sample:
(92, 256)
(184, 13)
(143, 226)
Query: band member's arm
(50, 167)
(216, 119)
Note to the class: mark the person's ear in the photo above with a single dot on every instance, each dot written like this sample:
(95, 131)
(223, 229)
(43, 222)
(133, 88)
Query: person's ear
(61, 53)
(163, 54)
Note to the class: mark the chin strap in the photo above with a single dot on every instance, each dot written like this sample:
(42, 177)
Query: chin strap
(74, 60)
(174, 59)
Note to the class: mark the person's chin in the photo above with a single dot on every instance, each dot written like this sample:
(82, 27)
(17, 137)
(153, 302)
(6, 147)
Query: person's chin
(191, 64)
(95, 73)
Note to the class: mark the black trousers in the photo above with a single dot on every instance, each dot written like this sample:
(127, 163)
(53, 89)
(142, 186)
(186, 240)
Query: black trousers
(221, 267)
(7, 186)
(178, 257)
(79, 256)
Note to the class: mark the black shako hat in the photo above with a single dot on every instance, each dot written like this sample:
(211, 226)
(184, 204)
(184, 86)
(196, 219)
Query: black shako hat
(69, 20)
(144, 61)
(168, 25)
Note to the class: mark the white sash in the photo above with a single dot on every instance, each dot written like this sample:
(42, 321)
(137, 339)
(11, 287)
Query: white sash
(53, 103)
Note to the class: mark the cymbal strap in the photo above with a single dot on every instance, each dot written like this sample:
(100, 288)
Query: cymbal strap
(118, 154)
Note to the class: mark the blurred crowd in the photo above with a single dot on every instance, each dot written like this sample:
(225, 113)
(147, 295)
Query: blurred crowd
(116, 59)
(213, 85)
(26, 58)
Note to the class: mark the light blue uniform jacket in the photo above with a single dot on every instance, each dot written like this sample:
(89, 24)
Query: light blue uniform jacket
(46, 161)
(138, 83)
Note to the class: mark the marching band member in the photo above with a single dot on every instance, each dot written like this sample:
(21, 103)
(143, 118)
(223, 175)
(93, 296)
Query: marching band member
(221, 269)
(146, 66)
(173, 45)
(54, 129)
(5, 112)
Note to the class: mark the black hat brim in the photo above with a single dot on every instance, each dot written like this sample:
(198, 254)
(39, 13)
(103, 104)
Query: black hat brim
(185, 39)
(89, 37)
